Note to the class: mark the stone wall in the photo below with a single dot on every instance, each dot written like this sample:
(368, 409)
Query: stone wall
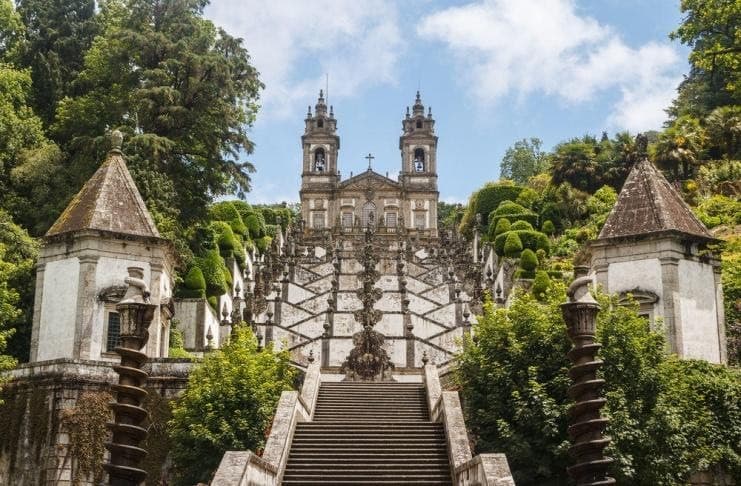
(34, 444)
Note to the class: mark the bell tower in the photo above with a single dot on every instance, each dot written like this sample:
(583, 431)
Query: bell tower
(418, 145)
(320, 174)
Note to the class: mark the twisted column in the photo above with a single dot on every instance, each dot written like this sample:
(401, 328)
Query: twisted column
(136, 313)
(585, 422)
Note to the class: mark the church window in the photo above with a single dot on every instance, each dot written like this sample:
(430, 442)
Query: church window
(419, 160)
(347, 220)
(113, 334)
(420, 220)
(320, 124)
(391, 220)
(320, 161)
(318, 219)
(369, 214)
(419, 123)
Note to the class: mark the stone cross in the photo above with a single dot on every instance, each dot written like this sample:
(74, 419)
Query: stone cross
(370, 160)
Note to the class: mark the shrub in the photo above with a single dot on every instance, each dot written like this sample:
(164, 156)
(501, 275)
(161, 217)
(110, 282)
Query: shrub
(502, 226)
(521, 225)
(534, 240)
(513, 212)
(227, 212)
(548, 227)
(541, 285)
(194, 284)
(263, 244)
(214, 272)
(718, 210)
(668, 416)
(527, 198)
(225, 238)
(485, 200)
(228, 404)
(512, 244)
(528, 260)
(253, 226)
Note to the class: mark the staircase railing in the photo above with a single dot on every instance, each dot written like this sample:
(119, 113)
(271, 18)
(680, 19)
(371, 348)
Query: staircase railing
(244, 468)
(466, 470)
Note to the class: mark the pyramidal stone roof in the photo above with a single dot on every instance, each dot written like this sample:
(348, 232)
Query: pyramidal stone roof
(649, 204)
(109, 201)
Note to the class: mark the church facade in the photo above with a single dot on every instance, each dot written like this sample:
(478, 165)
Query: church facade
(369, 199)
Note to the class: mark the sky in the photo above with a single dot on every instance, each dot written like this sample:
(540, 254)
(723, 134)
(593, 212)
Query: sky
(493, 72)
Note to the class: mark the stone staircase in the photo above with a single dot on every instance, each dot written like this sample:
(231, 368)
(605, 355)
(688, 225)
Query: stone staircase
(369, 433)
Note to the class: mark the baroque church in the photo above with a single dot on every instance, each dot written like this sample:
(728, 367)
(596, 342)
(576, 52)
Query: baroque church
(369, 297)
(370, 199)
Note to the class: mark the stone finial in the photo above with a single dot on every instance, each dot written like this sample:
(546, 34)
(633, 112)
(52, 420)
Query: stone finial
(641, 146)
(310, 359)
(425, 358)
(116, 140)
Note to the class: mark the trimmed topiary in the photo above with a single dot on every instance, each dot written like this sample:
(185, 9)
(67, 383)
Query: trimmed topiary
(228, 244)
(214, 269)
(512, 244)
(194, 279)
(513, 212)
(227, 212)
(521, 225)
(548, 227)
(502, 226)
(541, 285)
(534, 240)
(528, 260)
(256, 230)
(263, 243)
(491, 196)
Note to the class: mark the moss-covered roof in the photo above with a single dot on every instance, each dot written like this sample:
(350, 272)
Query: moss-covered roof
(649, 204)
(109, 201)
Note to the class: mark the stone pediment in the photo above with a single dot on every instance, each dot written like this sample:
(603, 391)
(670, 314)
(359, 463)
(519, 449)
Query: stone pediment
(369, 180)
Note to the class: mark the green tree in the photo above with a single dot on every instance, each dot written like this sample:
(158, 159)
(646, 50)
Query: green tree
(523, 160)
(723, 126)
(228, 404)
(57, 36)
(680, 146)
(710, 28)
(576, 162)
(669, 417)
(182, 90)
(18, 253)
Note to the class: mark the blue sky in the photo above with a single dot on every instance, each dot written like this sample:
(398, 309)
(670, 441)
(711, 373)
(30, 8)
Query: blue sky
(493, 71)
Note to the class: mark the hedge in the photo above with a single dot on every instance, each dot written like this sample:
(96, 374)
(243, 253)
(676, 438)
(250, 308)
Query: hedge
(528, 260)
(521, 225)
(227, 212)
(513, 212)
(534, 240)
(512, 244)
(502, 226)
(214, 272)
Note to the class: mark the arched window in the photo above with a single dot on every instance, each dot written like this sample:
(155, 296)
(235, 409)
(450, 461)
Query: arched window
(419, 160)
(320, 124)
(369, 215)
(320, 162)
(419, 123)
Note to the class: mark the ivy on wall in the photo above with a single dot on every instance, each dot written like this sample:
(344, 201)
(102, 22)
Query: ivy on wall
(86, 425)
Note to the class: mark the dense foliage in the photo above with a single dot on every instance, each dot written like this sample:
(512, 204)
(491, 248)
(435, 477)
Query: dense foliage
(669, 417)
(228, 405)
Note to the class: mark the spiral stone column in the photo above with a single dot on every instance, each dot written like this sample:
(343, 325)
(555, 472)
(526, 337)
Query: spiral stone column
(586, 425)
(136, 313)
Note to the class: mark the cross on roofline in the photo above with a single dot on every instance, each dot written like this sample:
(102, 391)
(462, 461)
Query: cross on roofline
(370, 159)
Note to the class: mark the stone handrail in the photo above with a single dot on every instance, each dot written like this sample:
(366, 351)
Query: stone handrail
(484, 470)
(244, 468)
(445, 407)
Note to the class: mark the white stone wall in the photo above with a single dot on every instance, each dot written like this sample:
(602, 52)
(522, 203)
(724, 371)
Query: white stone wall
(58, 309)
(699, 329)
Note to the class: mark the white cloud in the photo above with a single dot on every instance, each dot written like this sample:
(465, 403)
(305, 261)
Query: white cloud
(294, 43)
(523, 47)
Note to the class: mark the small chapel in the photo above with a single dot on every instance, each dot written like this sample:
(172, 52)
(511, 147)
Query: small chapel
(370, 199)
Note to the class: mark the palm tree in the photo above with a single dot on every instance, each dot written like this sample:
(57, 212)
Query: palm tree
(680, 145)
(724, 129)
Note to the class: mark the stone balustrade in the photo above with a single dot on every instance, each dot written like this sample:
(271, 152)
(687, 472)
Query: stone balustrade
(445, 407)
(244, 468)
